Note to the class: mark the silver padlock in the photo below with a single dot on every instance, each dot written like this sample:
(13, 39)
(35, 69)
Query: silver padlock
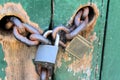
(47, 53)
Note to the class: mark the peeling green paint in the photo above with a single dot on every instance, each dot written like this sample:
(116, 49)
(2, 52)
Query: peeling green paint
(2, 64)
(39, 12)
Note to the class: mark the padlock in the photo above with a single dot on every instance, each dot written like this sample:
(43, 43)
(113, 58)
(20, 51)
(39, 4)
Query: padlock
(79, 46)
(47, 53)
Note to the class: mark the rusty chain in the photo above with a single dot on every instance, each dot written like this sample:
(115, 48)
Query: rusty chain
(31, 36)
(80, 22)
(35, 37)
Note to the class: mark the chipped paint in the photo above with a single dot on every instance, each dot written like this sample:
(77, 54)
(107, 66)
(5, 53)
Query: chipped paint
(93, 37)
(59, 59)
(77, 65)
(18, 56)
(85, 62)
(81, 64)
(19, 59)
(90, 26)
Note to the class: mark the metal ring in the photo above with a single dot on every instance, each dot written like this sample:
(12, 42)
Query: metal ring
(30, 28)
(24, 39)
(38, 37)
(77, 30)
(77, 18)
(59, 28)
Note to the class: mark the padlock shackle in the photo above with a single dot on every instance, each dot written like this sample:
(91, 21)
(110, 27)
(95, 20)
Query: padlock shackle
(57, 39)
(47, 33)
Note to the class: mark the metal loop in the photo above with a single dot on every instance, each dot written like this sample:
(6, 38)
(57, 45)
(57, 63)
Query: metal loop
(30, 29)
(85, 12)
(18, 24)
(35, 37)
(16, 21)
(77, 20)
(38, 37)
(24, 39)
(77, 30)
(47, 33)
(57, 30)
(57, 39)
(80, 22)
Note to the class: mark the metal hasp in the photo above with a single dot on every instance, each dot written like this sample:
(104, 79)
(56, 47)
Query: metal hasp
(79, 46)
(46, 57)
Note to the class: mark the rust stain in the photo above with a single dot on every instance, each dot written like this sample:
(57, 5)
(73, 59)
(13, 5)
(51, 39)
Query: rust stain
(77, 65)
(15, 9)
(92, 37)
(90, 26)
(66, 57)
(84, 63)
(19, 60)
(81, 64)
(59, 58)
(17, 55)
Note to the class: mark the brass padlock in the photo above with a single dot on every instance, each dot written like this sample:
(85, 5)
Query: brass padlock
(79, 46)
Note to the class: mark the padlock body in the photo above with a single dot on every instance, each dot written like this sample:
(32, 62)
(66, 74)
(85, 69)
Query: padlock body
(46, 53)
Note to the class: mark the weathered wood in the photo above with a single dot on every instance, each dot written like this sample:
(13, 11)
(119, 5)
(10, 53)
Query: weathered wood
(111, 62)
(67, 67)
(17, 55)
(63, 11)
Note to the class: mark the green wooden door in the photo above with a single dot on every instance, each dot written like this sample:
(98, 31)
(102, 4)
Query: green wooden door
(111, 59)
(39, 12)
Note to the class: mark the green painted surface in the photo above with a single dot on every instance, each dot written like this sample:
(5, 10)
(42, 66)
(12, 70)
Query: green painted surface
(111, 63)
(99, 29)
(39, 12)
(64, 9)
(2, 64)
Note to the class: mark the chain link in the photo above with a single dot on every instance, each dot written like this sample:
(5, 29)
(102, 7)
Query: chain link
(79, 23)
(31, 35)
(27, 33)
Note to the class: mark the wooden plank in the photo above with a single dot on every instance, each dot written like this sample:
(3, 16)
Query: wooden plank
(18, 56)
(63, 11)
(111, 63)
(98, 44)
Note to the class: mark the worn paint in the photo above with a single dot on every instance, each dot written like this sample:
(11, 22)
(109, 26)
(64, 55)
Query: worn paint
(19, 62)
(90, 26)
(83, 65)
(18, 56)
(39, 17)
(67, 7)
(12, 9)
